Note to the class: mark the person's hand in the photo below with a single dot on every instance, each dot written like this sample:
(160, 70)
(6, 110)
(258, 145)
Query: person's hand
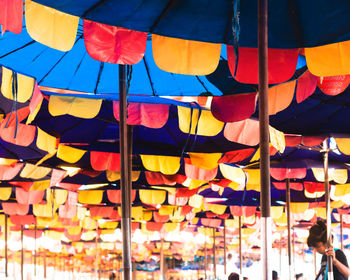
(330, 252)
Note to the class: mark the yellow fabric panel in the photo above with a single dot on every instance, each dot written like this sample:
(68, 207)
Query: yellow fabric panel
(69, 154)
(319, 174)
(232, 173)
(216, 208)
(166, 210)
(277, 139)
(74, 230)
(43, 210)
(113, 176)
(46, 222)
(40, 185)
(81, 212)
(280, 97)
(340, 176)
(177, 217)
(170, 227)
(195, 201)
(51, 27)
(25, 86)
(276, 212)
(7, 161)
(253, 182)
(136, 213)
(309, 214)
(321, 213)
(341, 190)
(2, 222)
(172, 191)
(194, 184)
(107, 231)
(248, 231)
(90, 197)
(152, 196)
(184, 56)
(165, 164)
(147, 216)
(232, 223)
(60, 196)
(5, 193)
(205, 160)
(88, 235)
(235, 186)
(282, 220)
(108, 225)
(329, 60)
(32, 171)
(343, 145)
(55, 235)
(107, 246)
(46, 142)
(88, 223)
(79, 107)
(207, 124)
(298, 208)
(337, 204)
(313, 195)
(194, 221)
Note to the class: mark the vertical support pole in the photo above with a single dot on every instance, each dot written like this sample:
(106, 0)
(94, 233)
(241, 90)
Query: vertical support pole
(293, 252)
(280, 270)
(240, 247)
(214, 253)
(315, 265)
(328, 207)
(96, 256)
(341, 233)
(265, 194)
(161, 261)
(44, 263)
(35, 229)
(6, 256)
(224, 248)
(22, 253)
(289, 230)
(205, 254)
(125, 137)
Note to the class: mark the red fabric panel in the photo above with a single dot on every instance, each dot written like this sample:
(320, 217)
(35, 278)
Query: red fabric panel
(98, 211)
(186, 209)
(23, 220)
(31, 197)
(312, 187)
(134, 226)
(148, 115)
(311, 141)
(281, 64)
(291, 173)
(24, 185)
(161, 218)
(211, 222)
(292, 140)
(114, 196)
(56, 176)
(234, 108)
(75, 237)
(15, 208)
(157, 178)
(9, 172)
(24, 137)
(236, 156)
(67, 211)
(292, 185)
(115, 216)
(246, 211)
(21, 115)
(317, 204)
(31, 233)
(68, 222)
(114, 44)
(11, 15)
(333, 85)
(36, 99)
(69, 186)
(184, 192)
(343, 211)
(102, 161)
(224, 216)
(152, 226)
(306, 86)
(196, 173)
(210, 215)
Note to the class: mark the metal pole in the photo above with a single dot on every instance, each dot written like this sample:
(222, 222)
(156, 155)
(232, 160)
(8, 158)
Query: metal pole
(289, 230)
(240, 248)
(280, 270)
(22, 253)
(161, 277)
(205, 254)
(328, 207)
(45, 263)
(224, 248)
(341, 233)
(6, 256)
(35, 228)
(214, 254)
(96, 256)
(125, 173)
(265, 195)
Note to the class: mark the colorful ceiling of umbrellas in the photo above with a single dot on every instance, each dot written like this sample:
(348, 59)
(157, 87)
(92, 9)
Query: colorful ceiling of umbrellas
(195, 159)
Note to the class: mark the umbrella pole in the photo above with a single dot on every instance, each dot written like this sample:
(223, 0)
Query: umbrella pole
(341, 233)
(44, 264)
(161, 258)
(265, 194)
(22, 253)
(214, 254)
(280, 270)
(289, 230)
(224, 247)
(205, 254)
(6, 256)
(35, 228)
(328, 207)
(240, 247)
(125, 137)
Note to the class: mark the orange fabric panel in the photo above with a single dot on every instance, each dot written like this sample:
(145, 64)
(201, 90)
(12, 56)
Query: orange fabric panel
(24, 137)
(99, 211)
(114, 196)
(9, 172)
(67, 211)
(244, 132)
(185, 56)
(15, 208)
(31, 197)
(160, 218)
(22, 220)
(197, 173)
(291, 173)
(280, 97)
(236, 156)
(214, 223)
(152, 226)
(157, 178)
(102, 161)
(245, 211)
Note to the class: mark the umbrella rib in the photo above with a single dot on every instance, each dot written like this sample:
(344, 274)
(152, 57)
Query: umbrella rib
(201, 82)
(15, 50)
(228, 25)
(99, 76)
(149, 76)
(92, 8)
(168, 7)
